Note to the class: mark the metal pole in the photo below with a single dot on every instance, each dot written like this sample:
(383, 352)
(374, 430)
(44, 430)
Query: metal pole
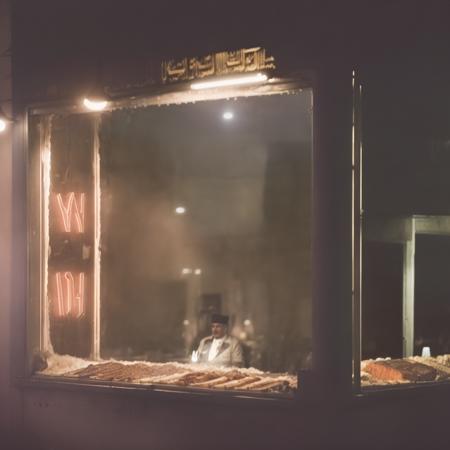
(357, 228)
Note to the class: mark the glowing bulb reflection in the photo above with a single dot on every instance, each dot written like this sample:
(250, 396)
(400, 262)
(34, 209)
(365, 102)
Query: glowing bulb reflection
(2, 125)
(180, 209)
(228, 115)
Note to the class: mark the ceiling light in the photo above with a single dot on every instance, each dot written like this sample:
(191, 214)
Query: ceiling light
(2, 125)
(231, 81)
(228, 115)
(180, 210)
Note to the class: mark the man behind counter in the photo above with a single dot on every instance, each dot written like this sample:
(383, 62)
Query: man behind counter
(220, 349)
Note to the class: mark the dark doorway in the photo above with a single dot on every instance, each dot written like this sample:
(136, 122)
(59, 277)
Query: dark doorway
(382, 290)
(432, 294)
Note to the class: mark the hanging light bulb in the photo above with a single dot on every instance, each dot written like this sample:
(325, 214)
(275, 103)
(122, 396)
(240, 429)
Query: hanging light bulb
(4, 121)
(95, 99)
(95, 104)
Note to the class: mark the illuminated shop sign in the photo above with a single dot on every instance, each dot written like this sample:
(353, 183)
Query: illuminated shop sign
(69, 299)
(218, 64)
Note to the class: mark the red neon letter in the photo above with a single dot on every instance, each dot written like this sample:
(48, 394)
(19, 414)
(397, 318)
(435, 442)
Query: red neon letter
(70, 295)
(70, 208)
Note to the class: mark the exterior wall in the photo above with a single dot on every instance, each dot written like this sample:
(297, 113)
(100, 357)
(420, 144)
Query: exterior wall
(74, 420)
(10, 405)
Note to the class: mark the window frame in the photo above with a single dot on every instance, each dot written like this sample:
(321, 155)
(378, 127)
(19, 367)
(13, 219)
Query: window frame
(158, 95)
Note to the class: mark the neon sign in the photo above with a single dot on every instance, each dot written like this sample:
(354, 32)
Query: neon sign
(70, 298)
(69, 287)
(72, 211)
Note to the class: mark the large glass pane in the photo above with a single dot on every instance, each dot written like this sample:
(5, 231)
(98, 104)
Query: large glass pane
(202, 275)
(406, 234)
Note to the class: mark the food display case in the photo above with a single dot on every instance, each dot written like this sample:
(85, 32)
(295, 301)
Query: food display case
(163, 209)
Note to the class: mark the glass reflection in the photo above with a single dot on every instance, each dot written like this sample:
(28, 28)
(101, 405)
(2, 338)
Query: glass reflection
(241, 248)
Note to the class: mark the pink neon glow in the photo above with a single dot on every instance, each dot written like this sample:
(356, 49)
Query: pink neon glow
(72, 210)
(70, 299)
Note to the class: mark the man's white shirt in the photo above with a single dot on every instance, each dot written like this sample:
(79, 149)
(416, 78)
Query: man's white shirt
(214, 349)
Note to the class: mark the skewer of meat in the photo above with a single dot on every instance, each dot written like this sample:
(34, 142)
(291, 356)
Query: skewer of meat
(164, 379)
(83, 372)
(211, 383)
(93, 369)
(264, 384)
(110, 373)
(233, 384)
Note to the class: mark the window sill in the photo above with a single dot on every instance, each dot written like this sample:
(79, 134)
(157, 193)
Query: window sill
(404, 391)
(161, 392)
(375, 396)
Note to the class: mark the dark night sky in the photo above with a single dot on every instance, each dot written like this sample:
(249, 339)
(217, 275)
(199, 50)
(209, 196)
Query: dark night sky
(70, 40)
(121, 25)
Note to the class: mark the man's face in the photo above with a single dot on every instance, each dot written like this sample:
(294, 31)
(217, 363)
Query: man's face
(218, 330)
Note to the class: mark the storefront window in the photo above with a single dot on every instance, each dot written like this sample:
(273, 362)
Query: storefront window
(406, 226)
(165, 225)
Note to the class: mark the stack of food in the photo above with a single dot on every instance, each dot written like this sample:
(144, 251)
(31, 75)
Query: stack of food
(175, 374)
(407, 370)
